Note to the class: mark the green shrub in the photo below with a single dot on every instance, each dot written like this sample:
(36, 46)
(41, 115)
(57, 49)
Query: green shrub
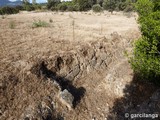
(39, 24)
(19, 7)
(62, 6)
(109, 5)
(29, 7)
(84, 4)
(121, 6)
(97, 8)
(129, 8)
(73, 7)
(144, 7)
(37, 6)
(70, 8)
(8, 10)
(52, 3)
(54, 8)
(145, 63)
(146, 55)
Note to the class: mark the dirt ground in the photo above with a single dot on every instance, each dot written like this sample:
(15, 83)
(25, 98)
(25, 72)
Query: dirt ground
(68, 33)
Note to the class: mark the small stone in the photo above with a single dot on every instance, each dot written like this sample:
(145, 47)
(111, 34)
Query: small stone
(67, 98)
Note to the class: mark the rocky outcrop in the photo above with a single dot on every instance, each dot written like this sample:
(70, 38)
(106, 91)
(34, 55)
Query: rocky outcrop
(44, 111)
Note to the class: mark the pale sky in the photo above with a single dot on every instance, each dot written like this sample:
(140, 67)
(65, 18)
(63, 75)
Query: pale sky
(38, 1)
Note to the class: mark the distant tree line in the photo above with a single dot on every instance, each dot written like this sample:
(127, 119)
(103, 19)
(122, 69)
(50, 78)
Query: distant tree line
(25, 6)
(83, 5)
(75, 5)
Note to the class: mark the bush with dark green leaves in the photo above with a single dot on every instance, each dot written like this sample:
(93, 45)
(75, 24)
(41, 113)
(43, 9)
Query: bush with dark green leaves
(39, 23)
(8, 10)
(52, 3)
(97, 8)
(109, 5)
(37, 6)
(72, 7)
(84, 4)
(19, 7)
(54, 8)
(62, 6)
(146, 56)
(29, 7)
(119, 5)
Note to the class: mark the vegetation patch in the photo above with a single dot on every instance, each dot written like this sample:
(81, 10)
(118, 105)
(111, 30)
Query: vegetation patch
(97, 8)
(8, 10)
(146, 55)
(40, 24)
(12, 25)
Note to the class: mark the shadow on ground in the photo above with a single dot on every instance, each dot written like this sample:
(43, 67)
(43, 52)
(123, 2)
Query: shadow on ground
(135, 94)
(42, 70)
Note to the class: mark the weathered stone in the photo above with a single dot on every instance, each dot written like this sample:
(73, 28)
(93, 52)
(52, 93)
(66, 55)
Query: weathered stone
(73, 73)
(44, 111)
(66, 98)
(93, 62)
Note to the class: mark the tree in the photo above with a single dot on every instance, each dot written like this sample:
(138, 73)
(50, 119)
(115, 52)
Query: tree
(52, 3)
(109, 5)
(84, 4)
(100, 2)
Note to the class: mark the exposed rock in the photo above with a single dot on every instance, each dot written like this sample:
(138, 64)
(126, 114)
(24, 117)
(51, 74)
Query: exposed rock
(73, 73)
(67, 98)
(93, 62)
(44, 111)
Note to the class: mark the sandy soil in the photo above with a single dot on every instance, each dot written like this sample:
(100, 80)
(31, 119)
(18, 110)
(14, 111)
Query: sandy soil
(22, 46)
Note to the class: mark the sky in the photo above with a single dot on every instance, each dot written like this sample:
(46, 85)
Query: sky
(38, 1)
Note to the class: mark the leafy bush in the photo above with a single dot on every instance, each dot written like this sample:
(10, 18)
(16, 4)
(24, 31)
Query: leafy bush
(37, 6)
(109, 5)
(144, 7)
(19, 7)
(146, 59)
(28, 7)
(62, 6)
(73, 7)
(70, 8)
(39, 24)
(8, 10)
(54, 8)
(52, 3)
(84, 4)
(112, 5)
(97, 8)
(129, 8)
